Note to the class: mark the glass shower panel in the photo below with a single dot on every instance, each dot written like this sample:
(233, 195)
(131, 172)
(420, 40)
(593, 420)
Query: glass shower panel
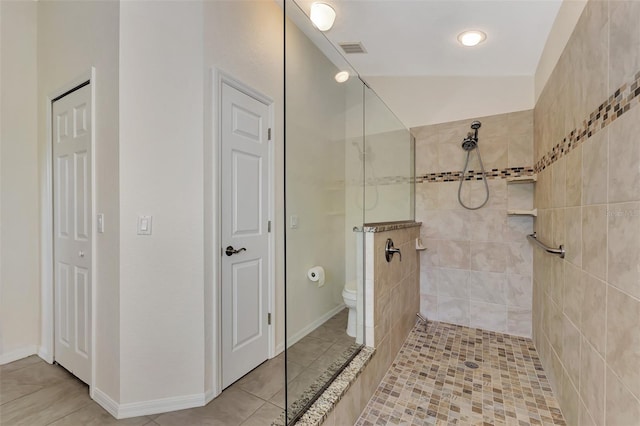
(388, 163)
(348, 161)
(323, 184)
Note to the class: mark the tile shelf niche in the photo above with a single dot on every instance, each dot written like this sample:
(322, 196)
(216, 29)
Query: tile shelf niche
(522, 180)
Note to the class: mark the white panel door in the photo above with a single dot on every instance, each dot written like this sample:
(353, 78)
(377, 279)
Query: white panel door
(244, 204)
(71, 122)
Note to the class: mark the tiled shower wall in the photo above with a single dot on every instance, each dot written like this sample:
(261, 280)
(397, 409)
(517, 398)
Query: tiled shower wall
(477, 268)
(586, 308)
(392, 288)
(392, 291)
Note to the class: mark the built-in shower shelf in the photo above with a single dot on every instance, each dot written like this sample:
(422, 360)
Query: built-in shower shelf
(518, 212)
(523, 179)
(419, 245)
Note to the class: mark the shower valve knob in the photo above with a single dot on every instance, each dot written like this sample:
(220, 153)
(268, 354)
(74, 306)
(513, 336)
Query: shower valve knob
(390, 250)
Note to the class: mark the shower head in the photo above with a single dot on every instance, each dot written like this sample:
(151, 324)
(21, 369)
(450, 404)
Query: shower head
(469, 143)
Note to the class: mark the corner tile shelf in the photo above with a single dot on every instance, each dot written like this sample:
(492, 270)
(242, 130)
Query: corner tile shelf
(519, 180)
(518, 212)
(523, 179)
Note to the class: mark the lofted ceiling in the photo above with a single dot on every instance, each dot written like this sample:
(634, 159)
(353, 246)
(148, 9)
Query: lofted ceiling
(419, 37)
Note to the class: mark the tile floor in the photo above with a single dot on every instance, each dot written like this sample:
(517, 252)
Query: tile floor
(426, 384)
(429, 384)
(310, 357)
(34, 393)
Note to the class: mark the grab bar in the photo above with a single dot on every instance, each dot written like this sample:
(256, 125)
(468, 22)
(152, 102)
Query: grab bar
(560, 251)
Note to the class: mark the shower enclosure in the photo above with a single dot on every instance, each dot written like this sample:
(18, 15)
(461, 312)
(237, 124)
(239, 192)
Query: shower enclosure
(348, 162)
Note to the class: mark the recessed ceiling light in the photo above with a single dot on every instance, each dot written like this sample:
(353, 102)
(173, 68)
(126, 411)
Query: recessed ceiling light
(471, 38)
(342, 76)
(323, 16)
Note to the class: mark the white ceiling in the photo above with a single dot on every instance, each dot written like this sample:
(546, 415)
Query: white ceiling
(418, 37)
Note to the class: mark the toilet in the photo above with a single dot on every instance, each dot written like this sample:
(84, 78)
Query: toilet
(349, 297)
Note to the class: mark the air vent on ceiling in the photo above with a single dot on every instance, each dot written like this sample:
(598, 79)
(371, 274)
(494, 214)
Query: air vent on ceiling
(352, 47)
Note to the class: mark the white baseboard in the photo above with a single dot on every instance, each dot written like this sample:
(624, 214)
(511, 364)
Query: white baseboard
(105, 401)
(17, 354)
(309, 328)
(45, 355)
(163, 405)
(209, 396)
(145, 408)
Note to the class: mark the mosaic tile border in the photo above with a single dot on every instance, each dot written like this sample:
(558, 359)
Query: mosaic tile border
(620, 102)
(451, 176)
(313, 389)
(475, 175)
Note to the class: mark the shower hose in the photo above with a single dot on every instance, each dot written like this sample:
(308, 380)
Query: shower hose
(484, 178)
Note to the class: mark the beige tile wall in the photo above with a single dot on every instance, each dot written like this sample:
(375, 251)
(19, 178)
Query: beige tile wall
(586, 308)
(477, 269)
(396, 301)
(396, 289)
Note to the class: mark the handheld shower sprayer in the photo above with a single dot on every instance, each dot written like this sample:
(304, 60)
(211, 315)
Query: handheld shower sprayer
(471, 141)
(469, 144)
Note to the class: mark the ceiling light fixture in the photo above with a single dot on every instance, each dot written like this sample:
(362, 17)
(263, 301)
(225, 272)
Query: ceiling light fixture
(323, 16)
(471, 38)
(342, 76)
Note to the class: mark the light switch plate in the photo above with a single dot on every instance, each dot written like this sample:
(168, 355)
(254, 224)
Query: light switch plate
(144, 225)
(294, 221)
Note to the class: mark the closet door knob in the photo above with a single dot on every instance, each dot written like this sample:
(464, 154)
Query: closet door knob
(230, 251)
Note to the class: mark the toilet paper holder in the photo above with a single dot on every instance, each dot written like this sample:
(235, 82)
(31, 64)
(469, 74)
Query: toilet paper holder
(316, 274)
(390, 250)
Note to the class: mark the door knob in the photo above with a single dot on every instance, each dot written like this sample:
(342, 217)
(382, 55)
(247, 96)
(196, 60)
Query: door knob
(81, 253)
(231, 251)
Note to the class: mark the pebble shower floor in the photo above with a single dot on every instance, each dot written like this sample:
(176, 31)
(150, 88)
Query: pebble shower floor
(429, 384)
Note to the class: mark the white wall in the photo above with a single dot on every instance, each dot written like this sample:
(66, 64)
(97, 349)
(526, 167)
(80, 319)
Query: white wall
(72, 37)
(161, 174)
(19, 219)
(423, 100)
